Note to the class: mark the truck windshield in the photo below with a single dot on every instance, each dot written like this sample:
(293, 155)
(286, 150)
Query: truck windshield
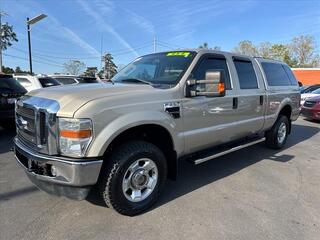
(159, 68)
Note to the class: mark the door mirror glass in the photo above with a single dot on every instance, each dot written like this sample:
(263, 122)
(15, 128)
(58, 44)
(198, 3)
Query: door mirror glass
(211, 86)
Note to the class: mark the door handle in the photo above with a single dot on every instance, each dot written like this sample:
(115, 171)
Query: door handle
(235, 103)
(261, 100)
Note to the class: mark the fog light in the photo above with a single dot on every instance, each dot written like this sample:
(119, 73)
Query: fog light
(53, 171)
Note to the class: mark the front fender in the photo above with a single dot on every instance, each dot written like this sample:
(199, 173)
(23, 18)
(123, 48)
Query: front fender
(103, 139)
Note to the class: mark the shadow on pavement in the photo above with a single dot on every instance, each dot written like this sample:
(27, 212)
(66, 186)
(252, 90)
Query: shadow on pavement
(17, 193)
(192, 177)
(6, 139)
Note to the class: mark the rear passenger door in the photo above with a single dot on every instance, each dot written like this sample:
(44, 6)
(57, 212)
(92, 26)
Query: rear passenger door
(250, 96)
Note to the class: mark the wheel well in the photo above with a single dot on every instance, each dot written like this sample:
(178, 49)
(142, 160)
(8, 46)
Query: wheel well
(286, 111)
(154, 134)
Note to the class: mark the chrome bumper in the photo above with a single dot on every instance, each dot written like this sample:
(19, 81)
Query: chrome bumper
(47, 171)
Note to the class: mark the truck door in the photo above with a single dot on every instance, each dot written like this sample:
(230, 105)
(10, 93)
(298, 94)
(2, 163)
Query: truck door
(250, 96)
(209, 121)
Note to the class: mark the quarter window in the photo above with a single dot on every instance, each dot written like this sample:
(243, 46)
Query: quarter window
(246, 74)
(275, 74)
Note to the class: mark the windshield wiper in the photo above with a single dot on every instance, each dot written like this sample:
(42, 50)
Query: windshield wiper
(136, 80)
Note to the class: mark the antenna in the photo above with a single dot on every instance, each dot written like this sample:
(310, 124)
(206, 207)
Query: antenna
(154, 44)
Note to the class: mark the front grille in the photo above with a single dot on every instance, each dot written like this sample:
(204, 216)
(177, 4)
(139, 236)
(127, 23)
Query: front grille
(36, 123)
(26, 125)
(309, 104)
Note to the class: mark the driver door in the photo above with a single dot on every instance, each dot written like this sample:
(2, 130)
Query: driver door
(209, 121)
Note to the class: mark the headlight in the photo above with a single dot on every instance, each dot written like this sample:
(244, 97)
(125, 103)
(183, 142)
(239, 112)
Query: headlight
(75, 136)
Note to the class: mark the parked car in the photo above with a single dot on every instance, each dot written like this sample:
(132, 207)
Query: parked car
(304, 96)
(70, 79)
(126, 138)
(10, 91)
(309, 88)
(30, 82)
(311, 108)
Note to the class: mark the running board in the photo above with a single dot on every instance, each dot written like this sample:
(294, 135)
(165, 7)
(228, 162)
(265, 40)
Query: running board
(215, 154)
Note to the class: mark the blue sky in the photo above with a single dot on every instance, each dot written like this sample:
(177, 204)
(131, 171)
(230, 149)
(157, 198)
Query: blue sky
(74, 28)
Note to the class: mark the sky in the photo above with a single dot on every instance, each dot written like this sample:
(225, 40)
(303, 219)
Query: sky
(83, 29)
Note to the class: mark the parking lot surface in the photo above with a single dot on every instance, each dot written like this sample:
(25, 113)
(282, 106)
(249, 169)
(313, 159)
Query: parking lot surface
(255, 193)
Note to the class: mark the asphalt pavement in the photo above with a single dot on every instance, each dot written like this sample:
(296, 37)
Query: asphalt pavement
(255, 193)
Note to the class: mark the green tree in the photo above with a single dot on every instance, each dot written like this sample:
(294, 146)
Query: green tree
(74, 67)
(8, 36)
(91, 71)
(110, 68)
(7, 70)
(246, 47)
(19, 70)
(204, 45)
(304, 49)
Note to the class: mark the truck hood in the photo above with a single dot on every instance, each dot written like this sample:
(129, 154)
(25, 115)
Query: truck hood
(72, 97)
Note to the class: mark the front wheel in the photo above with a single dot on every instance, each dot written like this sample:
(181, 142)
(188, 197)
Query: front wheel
(132, 178)
(277, 136)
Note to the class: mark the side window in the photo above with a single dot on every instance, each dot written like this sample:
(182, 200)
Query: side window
(23, 81)
(291, 76)
(275, 74)
(246, 74)
(213, 64)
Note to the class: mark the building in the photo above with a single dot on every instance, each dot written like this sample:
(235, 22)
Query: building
(307, 76)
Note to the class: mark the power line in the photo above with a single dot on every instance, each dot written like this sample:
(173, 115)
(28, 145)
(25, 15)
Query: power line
(17, 57)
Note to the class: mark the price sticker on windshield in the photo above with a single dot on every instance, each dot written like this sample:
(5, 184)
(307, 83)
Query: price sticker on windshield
(178, 54)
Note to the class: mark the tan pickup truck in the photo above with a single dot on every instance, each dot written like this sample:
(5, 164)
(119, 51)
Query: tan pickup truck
(127, 137)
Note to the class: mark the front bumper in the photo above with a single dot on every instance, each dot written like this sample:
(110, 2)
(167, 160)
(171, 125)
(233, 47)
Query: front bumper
(60, 176)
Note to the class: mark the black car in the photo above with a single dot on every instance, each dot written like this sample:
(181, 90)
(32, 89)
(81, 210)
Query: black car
(10, 90)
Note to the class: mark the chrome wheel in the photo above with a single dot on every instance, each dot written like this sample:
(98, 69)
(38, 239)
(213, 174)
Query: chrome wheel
(282, 132)
(140, 180)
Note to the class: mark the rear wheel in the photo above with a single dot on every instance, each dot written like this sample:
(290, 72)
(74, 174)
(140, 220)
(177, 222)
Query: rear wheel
(132, 178)
(277, 136)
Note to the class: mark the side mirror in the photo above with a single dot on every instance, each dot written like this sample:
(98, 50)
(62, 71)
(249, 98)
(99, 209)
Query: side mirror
(212, 86)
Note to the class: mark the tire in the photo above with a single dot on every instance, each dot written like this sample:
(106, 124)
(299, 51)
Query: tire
(121, 172)
(277, 136)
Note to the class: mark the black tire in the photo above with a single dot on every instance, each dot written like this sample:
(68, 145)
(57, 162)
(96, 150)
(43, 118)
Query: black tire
(271, 135)
(112, 174)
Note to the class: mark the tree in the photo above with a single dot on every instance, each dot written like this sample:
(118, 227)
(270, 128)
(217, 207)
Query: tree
(110, 68)
(264, 50)
(7, 36)
(304, 48)
(7, 70)
(74, 67)
(246, 47)
(19, 70)
(91, 71)
(204, 45)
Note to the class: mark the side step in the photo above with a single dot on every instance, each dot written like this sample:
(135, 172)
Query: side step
(220, 151)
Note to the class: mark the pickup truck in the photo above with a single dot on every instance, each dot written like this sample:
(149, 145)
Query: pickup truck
(124, 138)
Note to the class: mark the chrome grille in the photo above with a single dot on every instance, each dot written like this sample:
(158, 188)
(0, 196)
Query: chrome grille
(26, 125)
(309, 103)
(36, 123)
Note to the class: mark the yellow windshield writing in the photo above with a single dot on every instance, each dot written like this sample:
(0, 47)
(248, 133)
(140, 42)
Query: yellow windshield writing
(177, 54)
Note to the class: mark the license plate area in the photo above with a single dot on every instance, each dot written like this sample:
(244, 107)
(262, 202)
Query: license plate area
(34, 166)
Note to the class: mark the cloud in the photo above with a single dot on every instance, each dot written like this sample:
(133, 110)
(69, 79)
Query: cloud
(100, 22)
(141, 22)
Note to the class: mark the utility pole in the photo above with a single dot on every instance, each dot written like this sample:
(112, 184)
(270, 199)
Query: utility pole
(101, 50)
(154, 44)
(30, 22)
(29, 46)
(1, 14)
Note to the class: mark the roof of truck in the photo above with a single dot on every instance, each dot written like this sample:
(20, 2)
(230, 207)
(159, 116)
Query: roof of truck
(202, 50)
